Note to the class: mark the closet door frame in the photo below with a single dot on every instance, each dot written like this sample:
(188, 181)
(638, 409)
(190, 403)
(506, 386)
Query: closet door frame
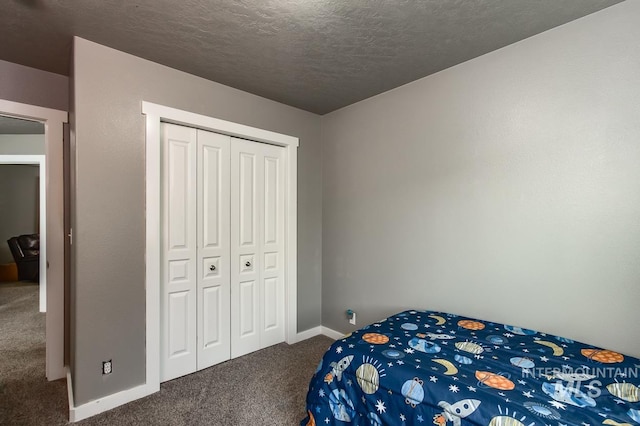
(154, 115)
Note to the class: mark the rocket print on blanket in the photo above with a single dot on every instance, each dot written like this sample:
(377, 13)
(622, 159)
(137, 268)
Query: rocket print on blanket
(337, 368)
(455, 412)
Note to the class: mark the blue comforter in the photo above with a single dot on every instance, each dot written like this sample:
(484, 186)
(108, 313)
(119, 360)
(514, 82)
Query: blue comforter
(434, 368)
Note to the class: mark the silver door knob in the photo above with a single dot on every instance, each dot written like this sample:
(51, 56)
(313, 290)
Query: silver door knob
(212, 267)
(248, 264)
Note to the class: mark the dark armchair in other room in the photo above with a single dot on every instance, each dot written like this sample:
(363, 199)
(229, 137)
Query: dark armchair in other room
(26, 252)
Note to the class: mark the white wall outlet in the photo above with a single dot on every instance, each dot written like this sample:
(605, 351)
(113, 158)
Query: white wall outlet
(352, 320)
(107, 367)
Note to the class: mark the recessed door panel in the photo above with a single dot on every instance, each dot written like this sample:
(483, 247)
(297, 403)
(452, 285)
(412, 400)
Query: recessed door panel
(248, 296)
(271, 206)
(247, 198)
(271, 303)
(179, 179)
(178, 271)
(270, 262)
(178, 266)
(211, 195)
(273, 330)
(214, 287)
(245, 335)
(212, 304)
(179, 324)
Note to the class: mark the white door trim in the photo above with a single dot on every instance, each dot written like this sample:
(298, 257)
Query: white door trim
(54, 248)
(42, 192)
(154, 115)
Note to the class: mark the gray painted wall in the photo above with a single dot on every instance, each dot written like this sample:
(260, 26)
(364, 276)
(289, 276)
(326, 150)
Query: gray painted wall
(22, 145)
(108, 209)
(19, 192)
(34, 87)
(505, 188)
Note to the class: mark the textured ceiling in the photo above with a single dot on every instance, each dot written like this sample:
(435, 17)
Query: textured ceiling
(318, 55)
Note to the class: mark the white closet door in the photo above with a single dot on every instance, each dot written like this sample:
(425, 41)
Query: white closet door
(222, 248)
(245, 297)
(178, 275)
(257, 219)
(272, 245)
(213, 312)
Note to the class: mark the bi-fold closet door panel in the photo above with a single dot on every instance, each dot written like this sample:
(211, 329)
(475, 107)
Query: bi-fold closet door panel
(195, 287)
(178, 267)
(223, 251)
(214, 289)
(257, 246)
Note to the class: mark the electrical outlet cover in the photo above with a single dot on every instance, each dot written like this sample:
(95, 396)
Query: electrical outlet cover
(107, 367)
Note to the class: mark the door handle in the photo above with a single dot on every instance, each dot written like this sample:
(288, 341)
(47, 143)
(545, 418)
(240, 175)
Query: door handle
(248, 264)
(212, 267)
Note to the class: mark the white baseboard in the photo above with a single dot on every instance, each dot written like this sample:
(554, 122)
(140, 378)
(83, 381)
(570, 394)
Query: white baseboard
(316, 331)
(69, 390)
(308, 334)
(335, 335)
(109, 402)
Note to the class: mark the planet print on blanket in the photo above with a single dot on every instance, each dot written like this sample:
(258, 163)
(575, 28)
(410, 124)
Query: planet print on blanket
(505, 421)
(409, 326)
(462, 359)
(424, 346)
(603, 355)
(493, 380)
(497, 340)
(471, 325)
(375, 338)
(367, 377)
(627, 391)
(413, 391)
(393, 354)
(542, 410)
(472, 348)
(522, 362)
(341, 406)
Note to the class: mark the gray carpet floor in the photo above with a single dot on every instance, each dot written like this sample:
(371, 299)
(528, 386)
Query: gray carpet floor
(267, 387)
(24, 390)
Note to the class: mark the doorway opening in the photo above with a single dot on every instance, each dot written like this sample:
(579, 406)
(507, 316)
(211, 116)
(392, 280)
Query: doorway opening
(23, 210)
(51, 208)
(23, 268)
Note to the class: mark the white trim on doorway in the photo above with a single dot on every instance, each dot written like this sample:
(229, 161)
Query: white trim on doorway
(54, 251)
(155, 114)
(42, 194)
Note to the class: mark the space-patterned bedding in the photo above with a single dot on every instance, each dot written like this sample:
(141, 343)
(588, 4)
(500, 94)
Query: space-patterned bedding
(434, 368)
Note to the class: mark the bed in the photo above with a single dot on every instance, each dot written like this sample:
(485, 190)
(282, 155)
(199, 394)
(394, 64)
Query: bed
(434, 368)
